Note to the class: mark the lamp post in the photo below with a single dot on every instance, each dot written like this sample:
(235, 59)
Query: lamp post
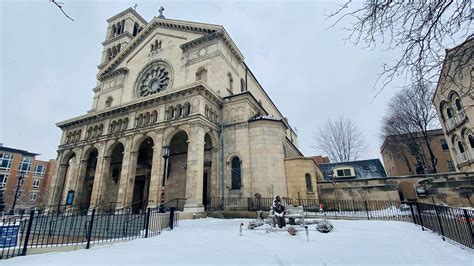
(20, 177)
(166, 155)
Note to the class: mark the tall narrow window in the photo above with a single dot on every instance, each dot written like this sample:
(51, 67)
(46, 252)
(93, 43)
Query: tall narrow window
(458, 104)
(236, 173)
(309, 183)
(461, 147)
(242, 85)
(471, 141)
(201, 74)
(444, 145)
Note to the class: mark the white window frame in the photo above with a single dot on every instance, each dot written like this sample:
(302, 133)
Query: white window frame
(33, 196)
(43, 170)
(9, 161)
(451, 166)
(28, 161)
(351, 169)
(3, 180)
(22, 182)
(36, 183)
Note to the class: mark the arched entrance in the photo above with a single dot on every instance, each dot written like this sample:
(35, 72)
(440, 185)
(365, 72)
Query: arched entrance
(64, 177)
(207, 169)
(112, 182)
(84, 189)
(177, 165)
(141, 186)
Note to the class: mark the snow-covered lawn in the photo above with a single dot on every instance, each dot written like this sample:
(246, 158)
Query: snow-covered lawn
(214, 241)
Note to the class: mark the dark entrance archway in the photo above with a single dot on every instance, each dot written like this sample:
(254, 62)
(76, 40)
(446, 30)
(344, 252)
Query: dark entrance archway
(113, 181)
(85, 189)
(66, 176)
(177, 167)
(207, 172)
(141, 186)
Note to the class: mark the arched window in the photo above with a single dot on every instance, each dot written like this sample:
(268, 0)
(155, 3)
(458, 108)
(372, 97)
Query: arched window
(460, 146)
(147, 118)
(242, 85)
(179, 110)
(309, 183)
(449, 112)
(109, 101)
(135, 29)
(140, 120)
(125, 123)
(207, 111)
(201, 74)
(236, 173)
(187, 109)
(458, 104)
(154, 116)
(471, 141)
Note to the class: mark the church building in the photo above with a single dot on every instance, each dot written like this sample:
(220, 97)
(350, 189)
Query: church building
(176, 114)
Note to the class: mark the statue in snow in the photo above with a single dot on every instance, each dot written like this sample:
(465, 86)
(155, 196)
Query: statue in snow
(278, 212)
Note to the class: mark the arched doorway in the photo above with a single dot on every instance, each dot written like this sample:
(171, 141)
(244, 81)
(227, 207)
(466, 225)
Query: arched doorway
(175, 183)
(113, 178)
(207, 169)
(142, 176)
(84, 190)
(64, 177)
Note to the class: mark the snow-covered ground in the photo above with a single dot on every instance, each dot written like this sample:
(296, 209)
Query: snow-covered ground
(214, 241)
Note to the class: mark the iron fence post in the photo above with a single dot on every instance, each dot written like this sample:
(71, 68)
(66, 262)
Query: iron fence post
(468, 221)
(28, 231)
(419, 215)
(171, 222)
(439, 222)
(89, 231)
(412, 212)
(367, 209)
(147, 221)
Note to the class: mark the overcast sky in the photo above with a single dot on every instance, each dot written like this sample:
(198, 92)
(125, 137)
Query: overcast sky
(48, 64)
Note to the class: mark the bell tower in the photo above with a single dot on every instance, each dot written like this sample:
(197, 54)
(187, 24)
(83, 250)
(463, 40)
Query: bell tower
(121, 29)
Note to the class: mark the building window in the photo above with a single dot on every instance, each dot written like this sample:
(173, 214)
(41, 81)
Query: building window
(343, 172)
(22, 181)
(471, 141)
(109, 101)
(449, 112)
(444, 145)
(25, 164)
(3, 180)
(309, 184)
(458, 104)
(6, 161)
(36, 183)
(236, 173)
(33, 196)
(242, 85)
(39, 170)
(461, 147)
(201, 74)
(451, 167)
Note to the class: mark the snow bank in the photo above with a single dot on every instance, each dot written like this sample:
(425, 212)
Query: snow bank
(213, 241)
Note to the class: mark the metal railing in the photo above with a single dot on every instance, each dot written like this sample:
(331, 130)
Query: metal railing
(455, 224)
(35, 230)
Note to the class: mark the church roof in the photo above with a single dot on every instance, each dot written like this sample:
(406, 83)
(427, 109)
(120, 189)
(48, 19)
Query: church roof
(364, 169)
(128, 10)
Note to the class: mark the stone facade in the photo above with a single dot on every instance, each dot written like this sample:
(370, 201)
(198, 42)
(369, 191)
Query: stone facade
(302, 175)
(454, 102)
(174, 86)
(399, 161)
(440, 188)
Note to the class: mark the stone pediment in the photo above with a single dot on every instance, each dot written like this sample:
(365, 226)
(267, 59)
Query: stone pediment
(208, 31)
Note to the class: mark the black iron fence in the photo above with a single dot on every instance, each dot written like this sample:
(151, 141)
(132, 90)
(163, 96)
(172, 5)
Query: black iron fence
(455, 224)
(36, 230)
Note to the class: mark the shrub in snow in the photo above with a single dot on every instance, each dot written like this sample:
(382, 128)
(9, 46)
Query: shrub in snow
(324, 226)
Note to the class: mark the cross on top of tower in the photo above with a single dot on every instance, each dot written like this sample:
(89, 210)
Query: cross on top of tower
(135, 6)
(161, 12)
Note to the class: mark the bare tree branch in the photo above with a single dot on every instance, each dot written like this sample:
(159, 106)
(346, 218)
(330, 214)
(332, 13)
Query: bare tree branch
(341, 140)
(422, 30)
(60, 6)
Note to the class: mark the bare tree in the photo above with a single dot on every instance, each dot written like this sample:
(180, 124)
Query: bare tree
(422, 30)
(341, 140)
(407, 125)
(60, 6)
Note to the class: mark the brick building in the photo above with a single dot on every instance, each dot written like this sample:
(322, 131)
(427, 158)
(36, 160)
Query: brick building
(33, 188)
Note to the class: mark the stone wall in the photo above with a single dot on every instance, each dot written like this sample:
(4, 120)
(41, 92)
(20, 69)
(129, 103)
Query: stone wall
(296, 170)
(448, 184)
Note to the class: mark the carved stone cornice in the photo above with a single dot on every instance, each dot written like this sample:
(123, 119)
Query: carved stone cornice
(118, 37)
(119, 71)
(141, 103)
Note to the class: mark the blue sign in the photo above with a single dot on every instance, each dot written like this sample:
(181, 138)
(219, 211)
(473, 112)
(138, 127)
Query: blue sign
(70, 197)
(9, 235)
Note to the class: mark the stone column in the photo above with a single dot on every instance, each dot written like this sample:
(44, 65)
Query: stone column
(195, 171)
(79, 181)
(58, 184)
(98, 181)
(127, 175)
(156, 173)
